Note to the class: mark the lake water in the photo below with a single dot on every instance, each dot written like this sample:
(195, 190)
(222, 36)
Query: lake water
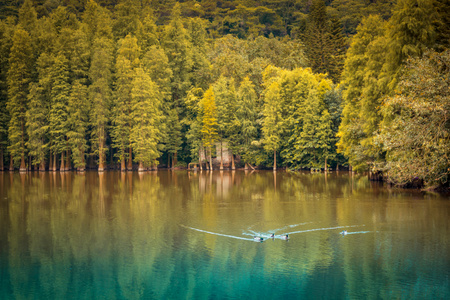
(180, 235)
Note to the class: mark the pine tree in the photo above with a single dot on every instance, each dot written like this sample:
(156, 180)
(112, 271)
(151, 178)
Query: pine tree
(307, 151)
(28, 19)
(127, 15)
(97, 23)
(272, 127)
(179, 51)
(247, 117)
(19, 77)
(77, 124)
(146, 132)
(39, 100)
(100, 96)
(317, 38)
(126, 62)
(338, 47)
(209, 122)
(58, 110)
(6, 33)
(225, 98)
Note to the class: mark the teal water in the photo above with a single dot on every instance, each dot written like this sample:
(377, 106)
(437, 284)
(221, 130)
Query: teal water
(179, 235)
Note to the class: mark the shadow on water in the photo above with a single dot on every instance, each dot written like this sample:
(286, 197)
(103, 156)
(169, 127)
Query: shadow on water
(178, 235)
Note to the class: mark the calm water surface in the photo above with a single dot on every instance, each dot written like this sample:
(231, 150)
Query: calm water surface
(174, 235)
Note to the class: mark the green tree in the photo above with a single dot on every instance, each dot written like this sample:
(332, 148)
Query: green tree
(6, 34)
(97, 24)
(19, 77)
(225, 99)
(100, 95)
(147, 116)
(209, 122)
(317, 38)
(248, 117)
(77, 124)
(272, 126)
(58, 111)
(179, 52)
(351, 131)
(126, 63)
(126, 18)
(415, 131)
(39, 100)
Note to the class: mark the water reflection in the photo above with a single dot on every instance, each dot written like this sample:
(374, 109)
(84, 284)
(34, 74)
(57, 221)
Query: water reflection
(129, 236)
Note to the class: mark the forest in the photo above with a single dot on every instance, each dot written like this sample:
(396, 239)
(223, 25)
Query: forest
(296, 84)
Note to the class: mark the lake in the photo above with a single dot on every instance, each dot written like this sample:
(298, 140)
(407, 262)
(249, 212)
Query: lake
(180, 235)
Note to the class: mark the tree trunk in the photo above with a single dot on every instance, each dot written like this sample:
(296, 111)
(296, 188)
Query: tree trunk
(62, 166)
(221, 156)
(337, 167)
(101, 159)
(130, 160)
(174, 159)
(82, 168)
(141, 167)
(42, 166)
(55, 162)
(233, 167)
(246, 167)
(210, 159)
(11, 164)
(68, 166)
(50, 162)
(326, 169)
(122, 163)
(23, 166)
(274, 160)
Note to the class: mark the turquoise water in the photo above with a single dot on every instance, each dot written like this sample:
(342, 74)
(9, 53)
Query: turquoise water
(179, 235)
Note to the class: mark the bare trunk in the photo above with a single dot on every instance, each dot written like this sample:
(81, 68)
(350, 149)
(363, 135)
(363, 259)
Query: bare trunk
(246, 167)
(233, 167)
(326, 168)
(168, 160)
(337, 167)
(174, 159)
(50, 162)
(221, 156)
(62, 167)
(210, 159)
(130, 160)
(274, 160)
(141, 167)
(68, 166)
(55, 162)
(23, 166)
(101, 160)
(42, 166)
(11, 164)
(122, 163)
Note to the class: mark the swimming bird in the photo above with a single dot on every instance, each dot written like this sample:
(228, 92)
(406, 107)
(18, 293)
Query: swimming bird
(285, 237)
(344, 232)
(258, 238)
(272, 236)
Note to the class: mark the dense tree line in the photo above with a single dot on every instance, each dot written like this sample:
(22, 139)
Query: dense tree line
(105, 84)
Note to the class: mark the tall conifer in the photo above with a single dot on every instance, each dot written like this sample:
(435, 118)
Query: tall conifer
(209, 122)
(146, 132)
(19, 77)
